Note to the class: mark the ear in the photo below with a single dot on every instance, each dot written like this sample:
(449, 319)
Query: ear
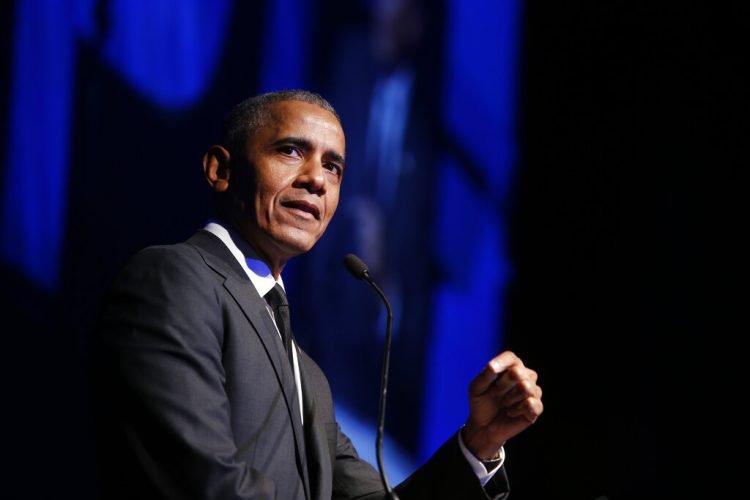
(216, 168)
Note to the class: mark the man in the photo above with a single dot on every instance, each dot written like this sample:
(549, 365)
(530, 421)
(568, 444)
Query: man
(198, 396)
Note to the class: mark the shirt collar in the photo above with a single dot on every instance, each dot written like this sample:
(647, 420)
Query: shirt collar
(257, 270)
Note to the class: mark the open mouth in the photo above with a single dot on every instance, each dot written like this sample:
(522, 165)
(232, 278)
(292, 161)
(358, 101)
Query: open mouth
(303, 206)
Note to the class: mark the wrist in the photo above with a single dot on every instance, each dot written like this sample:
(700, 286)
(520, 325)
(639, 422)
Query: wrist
(487, 453)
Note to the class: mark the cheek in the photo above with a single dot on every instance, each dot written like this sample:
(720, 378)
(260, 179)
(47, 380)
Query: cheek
(268, 186)
(333, 203)
(264, 201)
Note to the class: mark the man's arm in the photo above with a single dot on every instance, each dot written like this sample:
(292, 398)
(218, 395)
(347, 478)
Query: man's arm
(448, 475)
(504, 400)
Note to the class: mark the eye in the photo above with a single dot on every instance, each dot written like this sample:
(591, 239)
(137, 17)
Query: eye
(290, 151)
(335, 168)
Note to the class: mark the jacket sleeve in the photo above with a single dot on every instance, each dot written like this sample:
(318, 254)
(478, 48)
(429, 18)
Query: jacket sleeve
(445, 476)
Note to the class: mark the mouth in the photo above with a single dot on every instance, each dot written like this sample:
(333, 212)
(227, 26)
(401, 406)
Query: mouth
(303, 206)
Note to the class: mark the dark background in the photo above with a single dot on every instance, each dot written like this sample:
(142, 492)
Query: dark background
(626, 240)
(624, 235)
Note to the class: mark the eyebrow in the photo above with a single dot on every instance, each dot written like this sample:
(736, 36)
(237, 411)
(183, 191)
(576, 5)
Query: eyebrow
(307, 146)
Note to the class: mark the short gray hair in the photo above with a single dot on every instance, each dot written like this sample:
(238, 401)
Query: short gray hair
(252, 113)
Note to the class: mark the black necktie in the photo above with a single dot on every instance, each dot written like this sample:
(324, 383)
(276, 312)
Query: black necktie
(276, 298)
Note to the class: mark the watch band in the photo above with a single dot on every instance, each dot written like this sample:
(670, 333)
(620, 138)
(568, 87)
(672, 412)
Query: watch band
(492, 462)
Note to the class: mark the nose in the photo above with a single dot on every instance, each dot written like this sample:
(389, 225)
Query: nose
(312, 177)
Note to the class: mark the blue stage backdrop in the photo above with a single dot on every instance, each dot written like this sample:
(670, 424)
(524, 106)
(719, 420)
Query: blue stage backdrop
(453, 165)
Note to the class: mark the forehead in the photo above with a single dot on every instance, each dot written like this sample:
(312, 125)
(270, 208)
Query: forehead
(303, 120)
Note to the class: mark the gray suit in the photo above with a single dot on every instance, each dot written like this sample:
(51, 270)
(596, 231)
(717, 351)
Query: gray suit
(196, 399)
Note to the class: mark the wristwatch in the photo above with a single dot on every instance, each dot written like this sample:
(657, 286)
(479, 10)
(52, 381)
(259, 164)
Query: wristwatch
(492, 462)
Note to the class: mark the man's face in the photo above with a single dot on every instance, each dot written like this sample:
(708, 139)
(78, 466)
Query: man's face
(295, 163)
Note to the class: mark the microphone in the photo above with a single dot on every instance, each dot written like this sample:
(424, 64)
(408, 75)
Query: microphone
(359, 270)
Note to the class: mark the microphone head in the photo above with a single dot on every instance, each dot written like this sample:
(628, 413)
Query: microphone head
(355, 266)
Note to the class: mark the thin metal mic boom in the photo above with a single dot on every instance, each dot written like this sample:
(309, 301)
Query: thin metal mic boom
(359, 270)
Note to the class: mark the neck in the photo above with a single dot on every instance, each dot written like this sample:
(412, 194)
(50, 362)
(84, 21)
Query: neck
(251, 248)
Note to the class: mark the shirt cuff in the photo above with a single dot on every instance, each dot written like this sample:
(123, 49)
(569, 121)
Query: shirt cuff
(478, 466)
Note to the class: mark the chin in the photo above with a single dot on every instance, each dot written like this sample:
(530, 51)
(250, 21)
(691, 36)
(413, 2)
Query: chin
(297, 243)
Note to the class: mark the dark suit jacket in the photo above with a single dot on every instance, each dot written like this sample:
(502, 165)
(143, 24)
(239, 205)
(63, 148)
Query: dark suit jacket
(196, 399)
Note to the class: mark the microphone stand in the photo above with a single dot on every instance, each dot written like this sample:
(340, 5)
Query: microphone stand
(359, 270)
(383, 390)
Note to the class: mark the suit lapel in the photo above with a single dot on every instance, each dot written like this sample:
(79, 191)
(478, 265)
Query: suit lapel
(218, 257)
(256, 313)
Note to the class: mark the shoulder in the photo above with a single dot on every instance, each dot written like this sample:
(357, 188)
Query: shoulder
(168, 271)
(163, 285)
(163, 259)
(176, 253)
